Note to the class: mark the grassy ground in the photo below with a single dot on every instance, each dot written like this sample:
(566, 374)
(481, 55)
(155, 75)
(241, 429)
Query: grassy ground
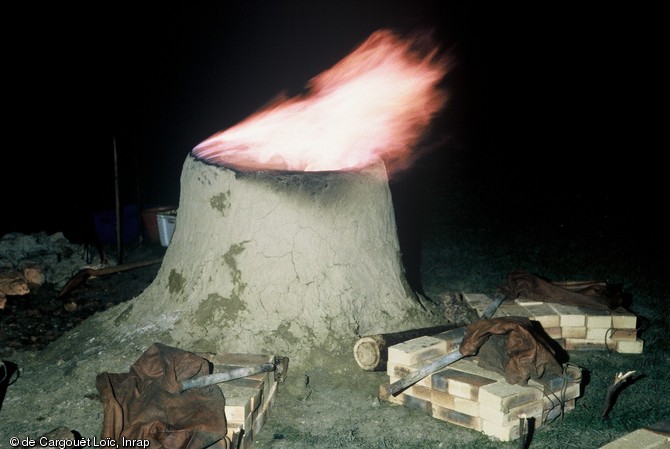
(466, 236)
(474, 237)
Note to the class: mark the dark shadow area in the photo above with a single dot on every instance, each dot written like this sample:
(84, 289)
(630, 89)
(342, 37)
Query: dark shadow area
(586, 380)
(527, 438)
(409, 209)
(9, 373)
(560, 354)
(81, 229)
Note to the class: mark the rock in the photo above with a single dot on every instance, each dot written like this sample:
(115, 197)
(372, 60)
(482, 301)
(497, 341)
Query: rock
(12, 283)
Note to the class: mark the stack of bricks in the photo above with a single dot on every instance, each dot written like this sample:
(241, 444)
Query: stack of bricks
(248, 399)
(574, 328)
(465, 394)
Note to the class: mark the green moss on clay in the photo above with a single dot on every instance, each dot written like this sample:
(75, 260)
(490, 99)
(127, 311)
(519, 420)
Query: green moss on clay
(176, 282)
(230, 262)
(221, 202)
(233, 306)
(123, 316)
(206, 313)
(216, 308)
(284, 333)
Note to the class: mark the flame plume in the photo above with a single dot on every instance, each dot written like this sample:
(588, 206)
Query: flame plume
(375, 103)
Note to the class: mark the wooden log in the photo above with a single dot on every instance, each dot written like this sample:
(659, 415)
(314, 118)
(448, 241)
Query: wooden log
(371, 351)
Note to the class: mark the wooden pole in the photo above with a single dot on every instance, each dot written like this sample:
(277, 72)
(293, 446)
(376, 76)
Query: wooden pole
(119, 252)
(138, 196)
(83, 275)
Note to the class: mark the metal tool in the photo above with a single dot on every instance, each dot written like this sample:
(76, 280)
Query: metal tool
(279, 365)
(439, 363)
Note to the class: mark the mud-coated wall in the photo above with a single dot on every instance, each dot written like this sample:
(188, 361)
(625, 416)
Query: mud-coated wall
(293, 263)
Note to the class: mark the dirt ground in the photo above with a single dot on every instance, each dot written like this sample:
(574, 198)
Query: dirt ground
(330, 406)
(33, 321)
(59, 350)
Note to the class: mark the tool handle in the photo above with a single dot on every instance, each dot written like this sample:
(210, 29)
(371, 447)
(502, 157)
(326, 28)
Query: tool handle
(407, 381)
(491, 309)
(216, 378)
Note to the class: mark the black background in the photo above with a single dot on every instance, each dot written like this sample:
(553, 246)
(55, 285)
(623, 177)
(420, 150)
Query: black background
(548, 104)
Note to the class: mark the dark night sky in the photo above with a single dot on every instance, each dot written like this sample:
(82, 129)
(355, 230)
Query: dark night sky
(542, 98)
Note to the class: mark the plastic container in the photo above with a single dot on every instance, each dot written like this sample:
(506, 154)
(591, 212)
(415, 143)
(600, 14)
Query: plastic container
(166, 223)
(150, 221)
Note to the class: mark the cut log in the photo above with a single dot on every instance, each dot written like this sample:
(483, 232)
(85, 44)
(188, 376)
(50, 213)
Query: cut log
(371, 351)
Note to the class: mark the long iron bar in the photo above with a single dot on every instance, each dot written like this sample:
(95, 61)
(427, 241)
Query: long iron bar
(235, 373)
(439, 363)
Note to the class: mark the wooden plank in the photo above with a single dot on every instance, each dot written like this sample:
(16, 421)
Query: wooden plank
(598, 319)
(545, 315)
(623, 334)
(500, 418)
(640, 439)
(569, 315)
(630, 347)
(624, 320)
(397, 371)
(417, 350)
(454, 417)
(459, 383)
(504, 396)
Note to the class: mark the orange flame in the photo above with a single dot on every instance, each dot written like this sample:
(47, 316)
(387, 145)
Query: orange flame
(375, 103)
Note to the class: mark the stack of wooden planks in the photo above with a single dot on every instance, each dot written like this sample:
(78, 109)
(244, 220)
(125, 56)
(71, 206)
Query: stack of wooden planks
(465, 394)
(574, 328)
(248, 399)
